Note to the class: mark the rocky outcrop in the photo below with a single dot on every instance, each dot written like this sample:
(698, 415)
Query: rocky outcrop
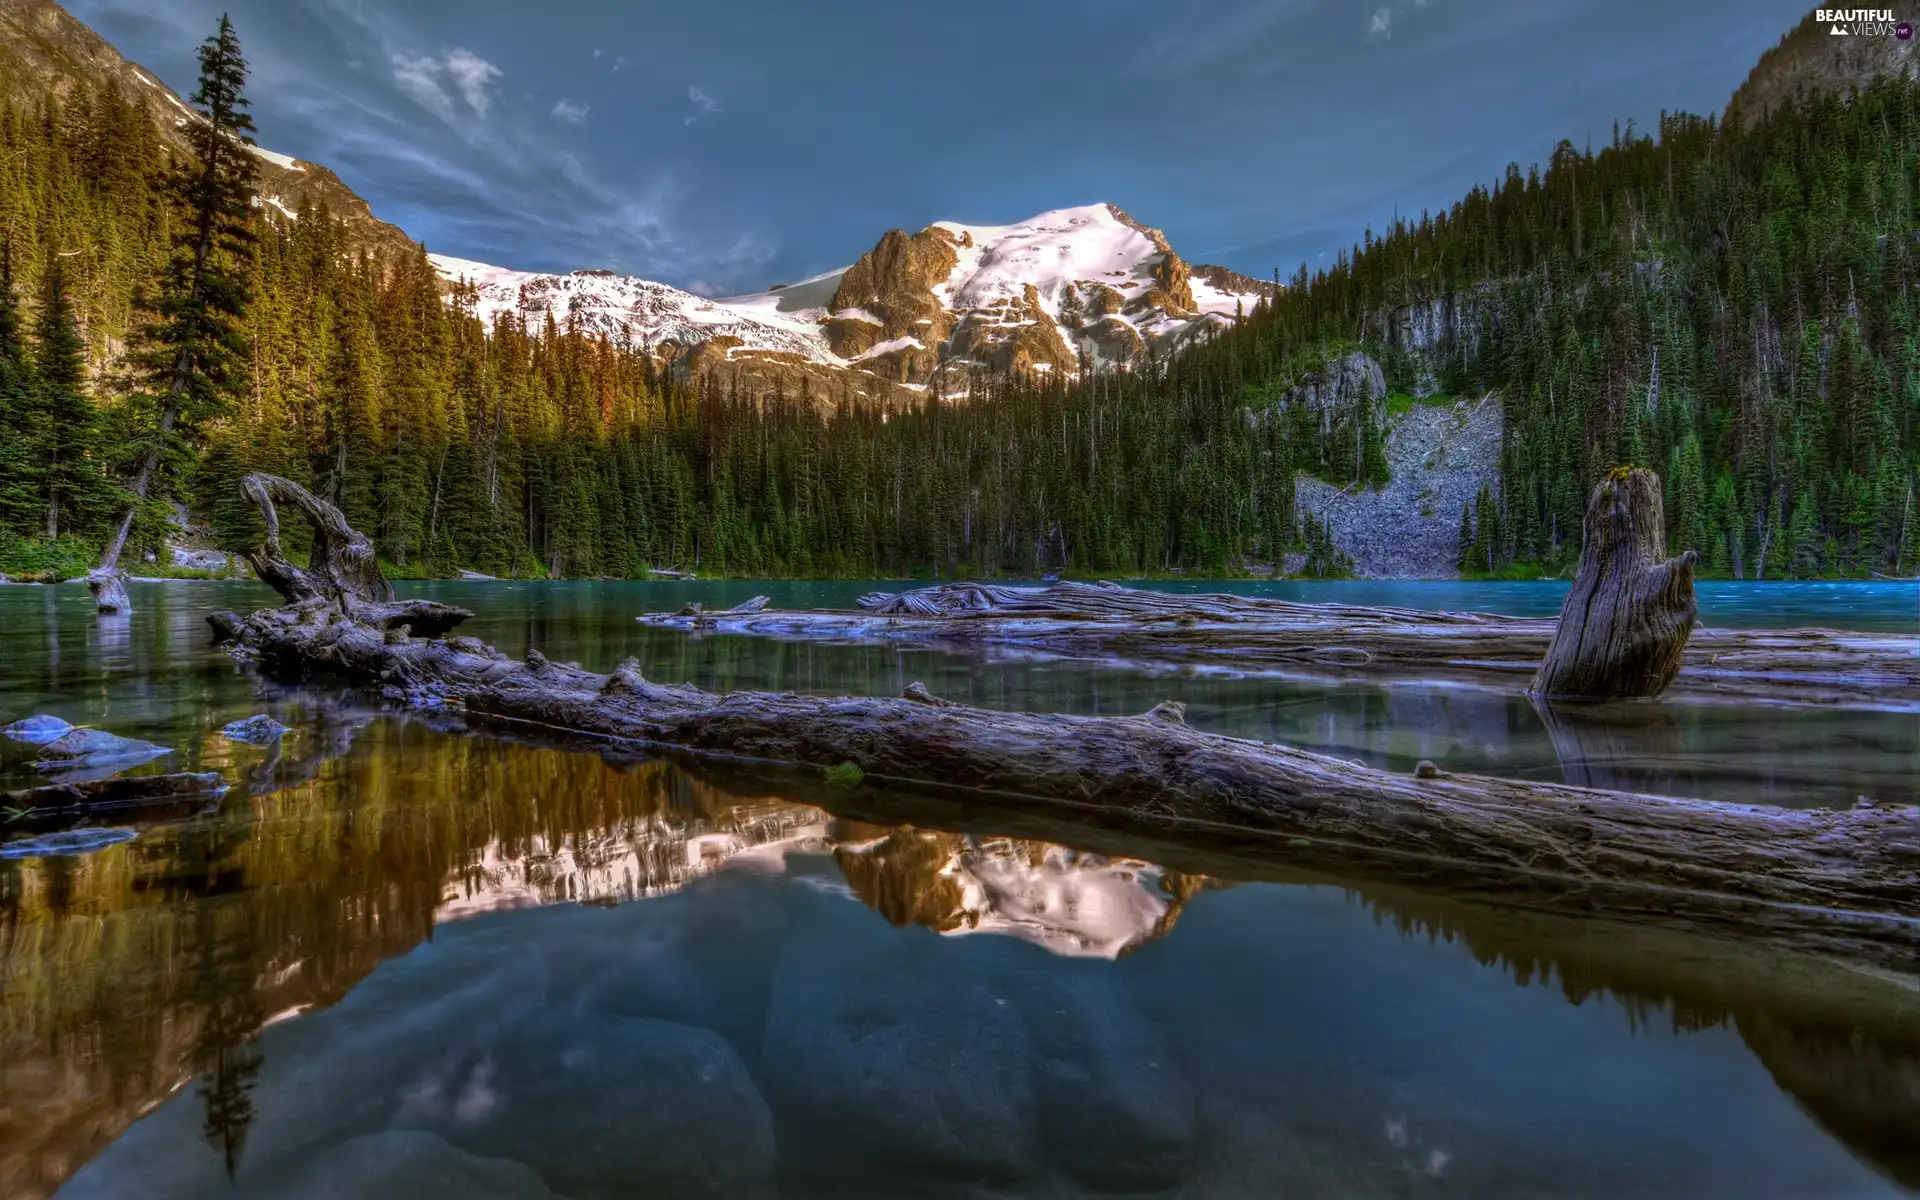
(1438, 458)
(1811, 60)
(1352, 382)
(1227, 279)
(885, 312)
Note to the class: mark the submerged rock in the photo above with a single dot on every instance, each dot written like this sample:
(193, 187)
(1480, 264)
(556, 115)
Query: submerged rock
(96, 744)
(896, 1062)
(37, 730)
(619, 1107)
(1114, 1107)
(67, 842)
(81, 754)
(405, 1164)
(257, 730)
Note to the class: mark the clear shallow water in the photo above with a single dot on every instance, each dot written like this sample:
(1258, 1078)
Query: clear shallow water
(384, 963)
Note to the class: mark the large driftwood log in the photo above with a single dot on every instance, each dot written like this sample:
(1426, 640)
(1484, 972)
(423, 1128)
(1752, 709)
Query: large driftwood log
(1624, 624)
(343, 564)
(1103, 622)
(1845, 882)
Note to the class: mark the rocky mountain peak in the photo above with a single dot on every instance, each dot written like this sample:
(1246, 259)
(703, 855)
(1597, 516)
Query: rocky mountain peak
(1812, 58)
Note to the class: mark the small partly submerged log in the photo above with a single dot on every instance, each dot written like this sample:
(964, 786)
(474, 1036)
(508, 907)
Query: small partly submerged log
(1104, 622)
(109, 588)
(1624, 624)
(1840, 882)
(135, 791)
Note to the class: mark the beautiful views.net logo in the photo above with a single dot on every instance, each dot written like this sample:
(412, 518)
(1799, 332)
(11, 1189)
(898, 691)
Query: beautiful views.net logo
(1862, 22)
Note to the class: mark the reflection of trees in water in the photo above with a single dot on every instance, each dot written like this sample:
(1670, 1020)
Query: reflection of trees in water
(1845, 1045)
(127, 971)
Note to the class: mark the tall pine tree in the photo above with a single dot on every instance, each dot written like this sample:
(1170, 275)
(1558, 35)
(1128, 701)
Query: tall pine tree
(194, 355)
(72, 493)
(19, 477)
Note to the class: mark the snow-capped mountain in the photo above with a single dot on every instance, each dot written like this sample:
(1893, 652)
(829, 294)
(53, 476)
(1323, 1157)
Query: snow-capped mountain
(1077, 288)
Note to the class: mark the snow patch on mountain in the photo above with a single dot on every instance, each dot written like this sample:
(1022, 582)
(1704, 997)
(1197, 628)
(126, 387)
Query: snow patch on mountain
(285, 162)
(638, 312)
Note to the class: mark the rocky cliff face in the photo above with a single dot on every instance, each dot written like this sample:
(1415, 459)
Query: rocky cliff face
(1438, 456)
(46, 51)
(1076, 289)
(1813, 59)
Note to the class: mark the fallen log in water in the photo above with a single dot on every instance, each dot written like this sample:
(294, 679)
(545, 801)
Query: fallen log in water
(31, 808)
(1840, 882)
(1104, 622)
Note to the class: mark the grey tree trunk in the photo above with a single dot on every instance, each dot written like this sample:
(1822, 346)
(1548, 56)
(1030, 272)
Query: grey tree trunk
(1625, 623)
(109, 588)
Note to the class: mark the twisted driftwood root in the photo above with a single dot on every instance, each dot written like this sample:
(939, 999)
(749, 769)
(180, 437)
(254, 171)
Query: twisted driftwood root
(1625, 622)
(1135, 626)
(1838, 882)
(343, 563)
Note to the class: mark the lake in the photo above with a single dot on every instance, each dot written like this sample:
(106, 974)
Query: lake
(395, 959)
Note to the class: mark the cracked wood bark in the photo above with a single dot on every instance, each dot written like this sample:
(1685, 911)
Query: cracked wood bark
(1625, 622)
(1133, 626)
(1839, 882)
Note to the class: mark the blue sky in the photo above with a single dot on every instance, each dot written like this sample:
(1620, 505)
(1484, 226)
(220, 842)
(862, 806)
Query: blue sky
(724, 145)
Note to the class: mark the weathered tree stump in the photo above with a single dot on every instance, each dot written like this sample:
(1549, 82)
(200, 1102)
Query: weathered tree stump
(109, 588)
(1625, 623)
(342, 565)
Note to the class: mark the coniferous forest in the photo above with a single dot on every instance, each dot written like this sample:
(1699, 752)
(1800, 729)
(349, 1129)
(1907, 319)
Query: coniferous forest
(1730, 305)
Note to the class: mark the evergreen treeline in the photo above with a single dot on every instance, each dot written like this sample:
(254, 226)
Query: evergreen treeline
(1728, 305)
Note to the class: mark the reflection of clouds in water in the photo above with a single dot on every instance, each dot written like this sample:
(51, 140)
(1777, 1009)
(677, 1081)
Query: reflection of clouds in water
(1432, 1165)
(473, 1101)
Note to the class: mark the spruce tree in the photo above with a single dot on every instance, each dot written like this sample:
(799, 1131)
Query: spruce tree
(72, 491)
(194, 355)
(19, 473)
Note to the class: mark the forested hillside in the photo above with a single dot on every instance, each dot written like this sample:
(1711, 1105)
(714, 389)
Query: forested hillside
(1727, 304)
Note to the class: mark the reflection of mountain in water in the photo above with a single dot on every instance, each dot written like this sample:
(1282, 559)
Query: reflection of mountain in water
(631, 860)
(127, 973)
(1083, 905)
(1080, 905)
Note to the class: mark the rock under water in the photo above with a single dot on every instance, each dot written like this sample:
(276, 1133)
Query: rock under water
(257, 730)
(37, 730)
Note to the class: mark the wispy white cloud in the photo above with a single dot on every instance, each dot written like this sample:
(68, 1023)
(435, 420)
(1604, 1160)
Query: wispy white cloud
(418, 78)
(473, 75)
(1381, 26)
(704, 105)
(421, 77)
(571, 113)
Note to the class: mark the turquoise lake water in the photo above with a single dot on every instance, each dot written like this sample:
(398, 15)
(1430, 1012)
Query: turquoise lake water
(398, 960)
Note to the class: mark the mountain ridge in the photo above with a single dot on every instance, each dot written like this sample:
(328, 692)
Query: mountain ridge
(1083, 288)
(46, 50)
